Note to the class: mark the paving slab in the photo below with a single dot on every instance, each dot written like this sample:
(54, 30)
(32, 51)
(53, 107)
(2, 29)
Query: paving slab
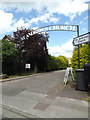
(59, 107)
(41, 106)
(9, 112)
(62, 112)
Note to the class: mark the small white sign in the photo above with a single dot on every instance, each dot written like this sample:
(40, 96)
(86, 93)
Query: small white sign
(27, 66)
(81, 39)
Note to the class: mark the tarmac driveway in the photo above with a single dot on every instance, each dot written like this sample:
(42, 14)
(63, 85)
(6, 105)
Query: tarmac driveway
(45, 96)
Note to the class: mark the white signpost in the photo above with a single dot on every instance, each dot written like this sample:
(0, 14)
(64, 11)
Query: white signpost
(85, 38)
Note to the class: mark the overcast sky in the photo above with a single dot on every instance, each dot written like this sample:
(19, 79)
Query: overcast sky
(40, 13)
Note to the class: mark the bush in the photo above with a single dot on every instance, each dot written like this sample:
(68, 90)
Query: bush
(84, 57)
(56, 63)
(9, 57)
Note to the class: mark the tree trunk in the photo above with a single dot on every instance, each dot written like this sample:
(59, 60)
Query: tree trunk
(35, 68)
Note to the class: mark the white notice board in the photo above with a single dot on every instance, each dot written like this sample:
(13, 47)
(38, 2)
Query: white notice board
(27, 65)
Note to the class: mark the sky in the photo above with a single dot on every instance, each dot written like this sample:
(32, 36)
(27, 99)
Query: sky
(40, 13)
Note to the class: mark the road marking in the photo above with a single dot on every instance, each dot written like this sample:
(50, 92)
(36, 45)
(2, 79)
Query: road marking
(62, 86)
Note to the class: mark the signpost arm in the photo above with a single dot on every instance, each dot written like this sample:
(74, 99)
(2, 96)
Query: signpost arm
(78, 47)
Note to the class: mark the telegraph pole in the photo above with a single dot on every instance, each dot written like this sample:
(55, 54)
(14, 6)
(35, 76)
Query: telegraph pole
(78, 48)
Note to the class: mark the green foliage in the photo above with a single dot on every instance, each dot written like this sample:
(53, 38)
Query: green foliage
(56, 63)
(64, 62)
(9, 57)
(84, 56)
(74, 59)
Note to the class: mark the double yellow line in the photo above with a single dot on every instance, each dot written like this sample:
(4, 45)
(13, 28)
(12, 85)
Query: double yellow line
(62, 86)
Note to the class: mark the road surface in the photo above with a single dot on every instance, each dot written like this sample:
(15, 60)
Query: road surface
(44, 96)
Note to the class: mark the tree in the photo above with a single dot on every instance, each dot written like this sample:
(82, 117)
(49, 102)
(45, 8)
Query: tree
(9, 57)
(51, 63)
(57, 63)
(64, 62)
(34, 49)
(84, 56)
